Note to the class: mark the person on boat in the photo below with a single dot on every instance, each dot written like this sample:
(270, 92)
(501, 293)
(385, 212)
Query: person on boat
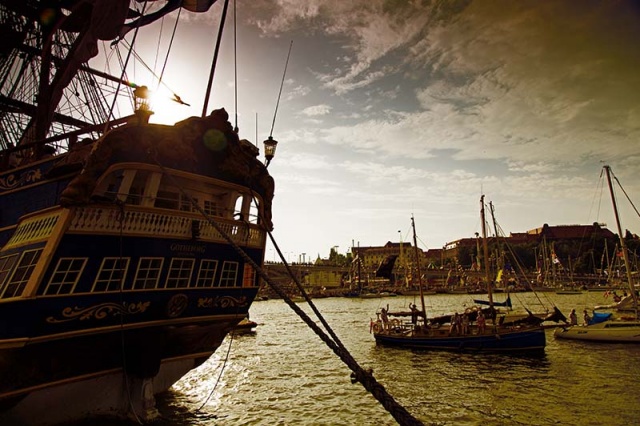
(481, 322)
(573, 318)
(465, 323)
(383, 316)
(586, 318)
(414, 313)
(455, 324)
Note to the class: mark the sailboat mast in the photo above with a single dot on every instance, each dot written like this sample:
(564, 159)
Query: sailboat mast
(499, 251)
(359, 265)
(485, 247)
(415, 247)
(402, 265)
(623, 246)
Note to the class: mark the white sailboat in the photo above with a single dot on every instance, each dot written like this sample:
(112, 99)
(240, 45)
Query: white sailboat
(625, 329)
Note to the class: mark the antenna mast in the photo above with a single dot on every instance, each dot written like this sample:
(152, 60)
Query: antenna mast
(280, 93)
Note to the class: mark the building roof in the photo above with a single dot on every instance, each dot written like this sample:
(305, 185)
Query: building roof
(568, 232)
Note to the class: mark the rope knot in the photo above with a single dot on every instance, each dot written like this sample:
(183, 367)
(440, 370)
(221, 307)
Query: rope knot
(360, 375)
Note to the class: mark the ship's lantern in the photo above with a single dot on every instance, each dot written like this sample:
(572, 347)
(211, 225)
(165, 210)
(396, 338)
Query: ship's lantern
(270, 149)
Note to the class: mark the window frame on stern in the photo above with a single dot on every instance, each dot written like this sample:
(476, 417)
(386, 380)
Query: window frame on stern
(225, 272)
(152, 188)
(5, 272)
(184, 274)
(25, 269)
(115, 268)
(71, 270)
(146, 279)
(207, 276)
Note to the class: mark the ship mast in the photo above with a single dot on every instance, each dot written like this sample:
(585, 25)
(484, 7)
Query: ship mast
(623, 246)
(485, 247)
(415, 247)
(46, 86)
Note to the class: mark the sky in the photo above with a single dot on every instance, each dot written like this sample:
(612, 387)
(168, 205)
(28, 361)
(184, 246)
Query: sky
(393, 109)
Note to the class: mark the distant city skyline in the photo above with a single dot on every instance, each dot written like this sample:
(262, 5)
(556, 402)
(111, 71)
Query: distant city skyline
(396, 109)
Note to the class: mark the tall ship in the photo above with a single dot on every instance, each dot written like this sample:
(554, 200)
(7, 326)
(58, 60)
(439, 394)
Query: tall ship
(128, 250)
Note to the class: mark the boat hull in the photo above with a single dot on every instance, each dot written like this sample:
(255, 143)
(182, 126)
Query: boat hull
(607, 331)
(143, 357)
(107, 393)
(530, 340)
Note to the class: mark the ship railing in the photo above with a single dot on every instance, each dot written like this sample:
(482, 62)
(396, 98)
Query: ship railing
(135, 221)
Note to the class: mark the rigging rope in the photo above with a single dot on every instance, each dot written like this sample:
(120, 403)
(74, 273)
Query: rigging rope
(286, 64)
(224, 364)
(365, 377)
(166, 58)
(625, 193)
(144, 64)
(124, 70)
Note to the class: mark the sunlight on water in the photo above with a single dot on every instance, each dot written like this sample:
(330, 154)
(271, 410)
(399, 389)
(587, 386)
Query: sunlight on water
(284, 375)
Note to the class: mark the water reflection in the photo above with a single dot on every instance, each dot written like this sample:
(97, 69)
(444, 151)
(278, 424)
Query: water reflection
(284, 375)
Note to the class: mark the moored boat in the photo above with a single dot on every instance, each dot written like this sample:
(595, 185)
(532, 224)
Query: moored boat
(126, 256)
(476, 329)
(624, 329)
(610, 328)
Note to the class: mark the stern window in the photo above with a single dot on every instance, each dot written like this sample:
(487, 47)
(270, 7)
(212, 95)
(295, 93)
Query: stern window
(207, 273)
(111, 275)
(212, 208)
(148, 273)
(6, 265)
(167, 200)
(22, 273)
(66, 275)
(229, 274)
(179, 273)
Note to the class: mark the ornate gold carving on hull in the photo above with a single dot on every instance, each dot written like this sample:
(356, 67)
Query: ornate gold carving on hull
(222, 302)
(99, 311)
(12, 181)
(177, 305)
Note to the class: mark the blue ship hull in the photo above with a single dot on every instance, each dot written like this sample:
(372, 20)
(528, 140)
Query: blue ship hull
(504, 341)
(127, 273)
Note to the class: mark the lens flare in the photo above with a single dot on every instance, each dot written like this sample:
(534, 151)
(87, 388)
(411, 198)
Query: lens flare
(215, 140)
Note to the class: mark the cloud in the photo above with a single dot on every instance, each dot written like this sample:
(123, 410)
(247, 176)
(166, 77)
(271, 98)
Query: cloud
(316, 110)
(433, 103)
(296, 92)
(308, 161)
(369, 30)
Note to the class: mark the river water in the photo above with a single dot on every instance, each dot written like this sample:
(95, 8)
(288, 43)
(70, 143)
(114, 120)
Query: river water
(283, 374)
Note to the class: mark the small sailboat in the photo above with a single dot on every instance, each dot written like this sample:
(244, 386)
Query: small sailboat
(475, 330)
(505, 309)
(605, 327)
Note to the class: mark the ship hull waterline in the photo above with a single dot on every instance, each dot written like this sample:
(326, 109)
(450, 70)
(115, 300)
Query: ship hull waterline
(517, 341)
